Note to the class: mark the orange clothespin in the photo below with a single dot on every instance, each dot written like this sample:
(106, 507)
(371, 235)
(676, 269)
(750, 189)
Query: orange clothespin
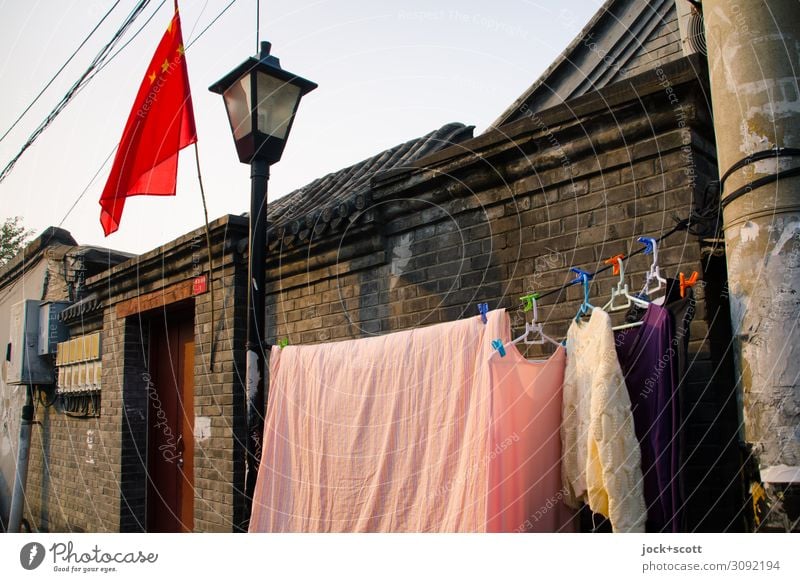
(686, 283)
(615, 261)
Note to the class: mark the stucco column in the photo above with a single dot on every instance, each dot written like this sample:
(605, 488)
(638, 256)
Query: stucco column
(753, 60)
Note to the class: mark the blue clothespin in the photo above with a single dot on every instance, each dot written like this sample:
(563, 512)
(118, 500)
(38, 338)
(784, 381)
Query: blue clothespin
(583, 276)
(498, 345)
(649, 244)
(483, 308)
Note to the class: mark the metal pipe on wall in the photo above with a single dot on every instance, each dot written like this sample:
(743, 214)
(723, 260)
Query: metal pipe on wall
(754, 64)
(23, 454)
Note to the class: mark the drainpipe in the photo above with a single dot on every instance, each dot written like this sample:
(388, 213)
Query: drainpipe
(753, 68)
(21, 476)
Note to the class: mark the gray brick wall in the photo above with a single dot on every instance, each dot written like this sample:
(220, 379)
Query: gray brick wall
(504, 216)
(73, 486)
(437, 249)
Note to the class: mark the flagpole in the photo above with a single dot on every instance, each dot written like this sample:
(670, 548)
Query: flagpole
(210, 259)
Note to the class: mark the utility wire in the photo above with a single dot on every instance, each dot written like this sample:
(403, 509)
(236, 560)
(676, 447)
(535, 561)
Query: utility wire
(127, 42)
(113, 149)
(84, 78)
(210, 24)
(58, 72)
(86, 189)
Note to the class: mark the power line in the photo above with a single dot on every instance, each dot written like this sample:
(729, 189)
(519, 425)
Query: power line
(210, 24)
(58, 72)
(120, 49)
(130, 40)
(82, 80)
(113, 149)
(80, 197)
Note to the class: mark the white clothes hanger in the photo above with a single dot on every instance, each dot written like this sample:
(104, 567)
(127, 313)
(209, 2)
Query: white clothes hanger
(653, 281)
(535, 328)
(627, 325)
(621, 290)
(534, 331)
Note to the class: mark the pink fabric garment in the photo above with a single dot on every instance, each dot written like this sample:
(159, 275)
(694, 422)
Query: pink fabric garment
(384, 434)
(525, 491)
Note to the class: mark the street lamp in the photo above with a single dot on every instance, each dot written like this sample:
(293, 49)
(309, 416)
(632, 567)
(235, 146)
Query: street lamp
(261, 99)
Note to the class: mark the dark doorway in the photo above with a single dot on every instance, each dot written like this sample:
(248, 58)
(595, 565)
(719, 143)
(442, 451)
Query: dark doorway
(170, 438)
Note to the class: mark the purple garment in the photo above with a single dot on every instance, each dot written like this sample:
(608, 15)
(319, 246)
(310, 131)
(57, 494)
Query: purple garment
(647, 355)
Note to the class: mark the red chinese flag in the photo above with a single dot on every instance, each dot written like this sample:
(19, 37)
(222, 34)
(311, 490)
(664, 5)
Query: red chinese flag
(160, 124)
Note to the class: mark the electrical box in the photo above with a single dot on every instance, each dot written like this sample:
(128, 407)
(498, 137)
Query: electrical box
(25, 365)
(79, 365)
(51, 330)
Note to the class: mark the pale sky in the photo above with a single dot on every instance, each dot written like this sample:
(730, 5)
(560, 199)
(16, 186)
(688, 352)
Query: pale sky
(387, 72)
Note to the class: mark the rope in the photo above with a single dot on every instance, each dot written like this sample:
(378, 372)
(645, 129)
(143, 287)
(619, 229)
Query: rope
(682, 225)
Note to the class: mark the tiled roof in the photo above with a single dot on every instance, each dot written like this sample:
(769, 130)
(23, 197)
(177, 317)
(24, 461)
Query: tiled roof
(327, 203)
(85, 306)
(623, 39)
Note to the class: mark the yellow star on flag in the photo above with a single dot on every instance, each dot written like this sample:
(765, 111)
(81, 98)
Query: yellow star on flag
(180, 49)
(164, 66)
(152, 77)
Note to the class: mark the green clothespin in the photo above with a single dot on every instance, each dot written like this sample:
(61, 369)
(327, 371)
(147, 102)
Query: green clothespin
(527, 301)
(282, 343)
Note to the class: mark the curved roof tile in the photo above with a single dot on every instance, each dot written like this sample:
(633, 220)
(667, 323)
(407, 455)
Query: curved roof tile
(329, 199)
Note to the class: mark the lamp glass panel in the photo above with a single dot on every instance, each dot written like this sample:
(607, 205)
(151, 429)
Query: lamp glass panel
(277, 101)
(237, 102)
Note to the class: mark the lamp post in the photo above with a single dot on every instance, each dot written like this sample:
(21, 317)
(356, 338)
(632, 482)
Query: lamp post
(261, 99)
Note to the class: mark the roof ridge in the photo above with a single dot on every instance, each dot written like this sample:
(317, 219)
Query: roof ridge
(333, 199)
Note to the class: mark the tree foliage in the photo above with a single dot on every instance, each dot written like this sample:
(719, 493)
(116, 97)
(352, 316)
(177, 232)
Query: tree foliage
(13, 237)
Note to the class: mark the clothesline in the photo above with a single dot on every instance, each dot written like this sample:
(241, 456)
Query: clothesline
(682, 225)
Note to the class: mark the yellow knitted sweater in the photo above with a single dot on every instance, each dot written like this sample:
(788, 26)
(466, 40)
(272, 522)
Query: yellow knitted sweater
(602, 460)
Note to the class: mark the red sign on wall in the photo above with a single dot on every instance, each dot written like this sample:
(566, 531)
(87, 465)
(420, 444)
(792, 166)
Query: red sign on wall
(200, 285)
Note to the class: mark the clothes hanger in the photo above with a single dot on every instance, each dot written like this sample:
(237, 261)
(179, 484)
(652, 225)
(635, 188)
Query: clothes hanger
(621, 290)
(535, 328)
(631, 299)
(653, 281)
(627, 325)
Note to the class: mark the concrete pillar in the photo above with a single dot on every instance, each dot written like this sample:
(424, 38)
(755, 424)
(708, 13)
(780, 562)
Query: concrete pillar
(753, 55)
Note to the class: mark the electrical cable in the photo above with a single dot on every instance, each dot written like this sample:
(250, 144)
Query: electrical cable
(85, 77)
(776, 152)
(131, 39)
(59, 71)
(210, 24)
(763, 181)
(46, 404)
(114, 149)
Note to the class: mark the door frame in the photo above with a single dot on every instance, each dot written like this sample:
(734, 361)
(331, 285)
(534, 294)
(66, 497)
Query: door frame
(174, 317)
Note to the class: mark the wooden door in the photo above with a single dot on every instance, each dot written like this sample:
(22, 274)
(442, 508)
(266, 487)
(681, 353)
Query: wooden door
(170, 442)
